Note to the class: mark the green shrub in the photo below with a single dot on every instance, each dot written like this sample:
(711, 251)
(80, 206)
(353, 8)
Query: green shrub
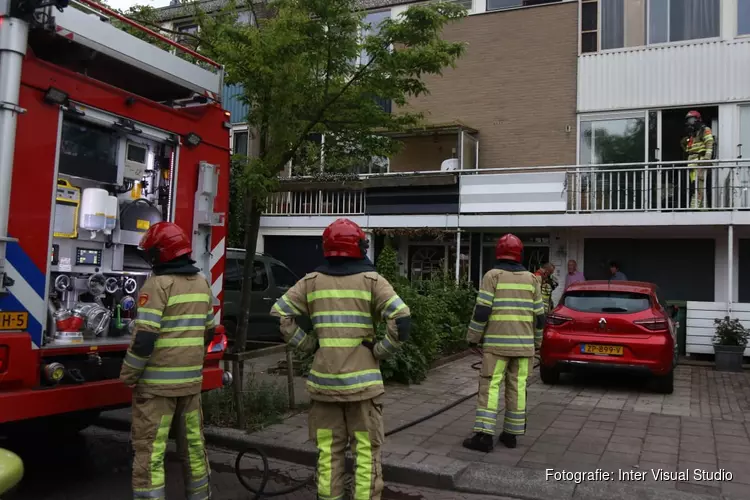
(440, 313)
(265, 404)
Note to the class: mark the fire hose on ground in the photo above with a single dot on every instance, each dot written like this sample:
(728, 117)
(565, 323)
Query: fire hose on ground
(260, 492)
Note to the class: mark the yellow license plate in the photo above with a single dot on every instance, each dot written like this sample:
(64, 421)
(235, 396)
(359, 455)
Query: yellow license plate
(14, 320)
(611, 350)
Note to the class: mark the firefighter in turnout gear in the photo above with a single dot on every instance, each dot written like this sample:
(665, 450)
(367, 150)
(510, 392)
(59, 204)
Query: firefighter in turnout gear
(164, 364)
(345, 298)
(508, 320)
(699, 145)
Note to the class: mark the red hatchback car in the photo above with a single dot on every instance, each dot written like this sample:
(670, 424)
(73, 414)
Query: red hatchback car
(612, 324)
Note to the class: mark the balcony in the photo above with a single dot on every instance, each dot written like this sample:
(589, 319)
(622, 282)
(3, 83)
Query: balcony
(722, 185)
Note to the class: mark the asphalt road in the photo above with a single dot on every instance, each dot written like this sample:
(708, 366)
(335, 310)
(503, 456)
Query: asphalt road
(95, 465)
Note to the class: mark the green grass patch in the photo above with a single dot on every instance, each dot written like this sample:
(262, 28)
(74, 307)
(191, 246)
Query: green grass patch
(265, 404)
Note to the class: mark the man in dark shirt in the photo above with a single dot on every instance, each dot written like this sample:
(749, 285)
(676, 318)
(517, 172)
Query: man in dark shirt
(617, 275)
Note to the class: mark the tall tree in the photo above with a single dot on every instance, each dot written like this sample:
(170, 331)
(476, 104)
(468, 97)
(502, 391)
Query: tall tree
(315, 67)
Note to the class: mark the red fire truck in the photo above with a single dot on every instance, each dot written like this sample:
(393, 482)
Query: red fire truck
(102, 134)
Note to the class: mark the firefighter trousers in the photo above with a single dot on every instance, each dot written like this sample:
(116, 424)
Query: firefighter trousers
(515, 372)
(153, 417)
(698, 188)
(332, 427)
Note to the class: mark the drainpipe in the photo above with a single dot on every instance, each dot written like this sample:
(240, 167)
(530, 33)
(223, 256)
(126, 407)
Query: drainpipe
(730, 269)
(13, 39)
(458, 255)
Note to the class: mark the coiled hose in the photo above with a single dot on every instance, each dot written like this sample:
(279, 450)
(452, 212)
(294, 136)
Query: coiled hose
(260, 491)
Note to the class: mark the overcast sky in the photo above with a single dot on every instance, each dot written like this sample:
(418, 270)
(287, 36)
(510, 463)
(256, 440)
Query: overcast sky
(125, 4)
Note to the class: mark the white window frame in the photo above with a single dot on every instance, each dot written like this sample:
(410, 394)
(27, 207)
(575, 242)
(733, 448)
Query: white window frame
(600, 117)
(239, 128)
(722, 13)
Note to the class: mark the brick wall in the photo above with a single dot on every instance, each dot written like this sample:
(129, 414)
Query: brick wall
(424, 153)
(516, 84)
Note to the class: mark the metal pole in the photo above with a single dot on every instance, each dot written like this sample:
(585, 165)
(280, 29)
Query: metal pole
(290, 378)
(730, 269)
(458, 255)
(13, 39)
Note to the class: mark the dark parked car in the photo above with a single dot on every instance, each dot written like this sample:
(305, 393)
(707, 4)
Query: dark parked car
(272, 280)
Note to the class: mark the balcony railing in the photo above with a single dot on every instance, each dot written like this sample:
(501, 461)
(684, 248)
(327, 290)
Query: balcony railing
(706, 185)
(717, 185)
(334, 202)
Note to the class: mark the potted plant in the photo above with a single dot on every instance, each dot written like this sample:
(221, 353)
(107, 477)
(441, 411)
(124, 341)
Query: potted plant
(730, 342)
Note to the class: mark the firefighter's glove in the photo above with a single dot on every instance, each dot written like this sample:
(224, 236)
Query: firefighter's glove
(370, 345)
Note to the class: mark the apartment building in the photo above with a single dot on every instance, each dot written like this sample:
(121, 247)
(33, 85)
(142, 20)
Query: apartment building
(562, 123)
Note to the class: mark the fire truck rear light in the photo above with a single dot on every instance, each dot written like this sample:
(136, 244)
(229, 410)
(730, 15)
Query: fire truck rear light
(4, 350)
(218, 344)
(55, 96)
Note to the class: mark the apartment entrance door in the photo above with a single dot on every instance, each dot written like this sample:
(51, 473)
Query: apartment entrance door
(670, 183)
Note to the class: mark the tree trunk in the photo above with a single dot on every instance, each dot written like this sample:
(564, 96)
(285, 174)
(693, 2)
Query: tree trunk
(252, 218)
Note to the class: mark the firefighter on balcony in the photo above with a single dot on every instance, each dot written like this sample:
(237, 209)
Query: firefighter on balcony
(164, 363)
(345, 298)
(507, 317)
(698, 145)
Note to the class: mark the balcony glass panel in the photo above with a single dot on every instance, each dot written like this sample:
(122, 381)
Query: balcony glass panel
(743, 17)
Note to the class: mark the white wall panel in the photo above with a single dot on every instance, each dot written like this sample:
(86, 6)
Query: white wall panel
(663, 76)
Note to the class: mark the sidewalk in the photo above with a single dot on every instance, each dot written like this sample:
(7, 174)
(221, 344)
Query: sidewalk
(576, 426)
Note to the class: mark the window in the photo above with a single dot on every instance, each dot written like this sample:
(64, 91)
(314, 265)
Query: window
(240, 143)
(233, 275)
(620, 140)
(282, 276)
(743, 17)
(633, 23)
(372, 27)
(88, 151)
(260, 278)
(589, 26)
(512, 4)
(378, 165)
(186, 39)
(245, 17)
(606, 302)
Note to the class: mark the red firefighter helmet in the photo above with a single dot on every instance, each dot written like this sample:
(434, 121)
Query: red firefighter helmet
(509, 247)
(344, 238)
(694, 114)
(165, 241)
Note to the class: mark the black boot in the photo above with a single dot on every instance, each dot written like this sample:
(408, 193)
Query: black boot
(509, 440)
(480, 442)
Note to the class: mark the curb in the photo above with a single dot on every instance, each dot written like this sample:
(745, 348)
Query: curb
(424, 475)
(460, 476)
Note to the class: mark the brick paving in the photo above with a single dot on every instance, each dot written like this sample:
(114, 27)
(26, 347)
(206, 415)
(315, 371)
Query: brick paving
(588, 421)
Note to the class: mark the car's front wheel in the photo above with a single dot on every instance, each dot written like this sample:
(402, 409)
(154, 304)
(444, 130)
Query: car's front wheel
(664, 384)
(550, 376)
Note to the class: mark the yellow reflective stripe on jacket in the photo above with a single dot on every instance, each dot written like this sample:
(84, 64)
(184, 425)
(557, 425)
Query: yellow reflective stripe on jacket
(183, 323)
(135, 362)
(515, 304)
(341, 319)
(339, 294)
(515, 286)
(172, 375)
(285, 307)
(299, 336)
(393, 306)
(512, 317)
(345, 381)
(187, 298)
(485, 298)
(148, 317)
(341, 342)
(188, 342)
(508, 341)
